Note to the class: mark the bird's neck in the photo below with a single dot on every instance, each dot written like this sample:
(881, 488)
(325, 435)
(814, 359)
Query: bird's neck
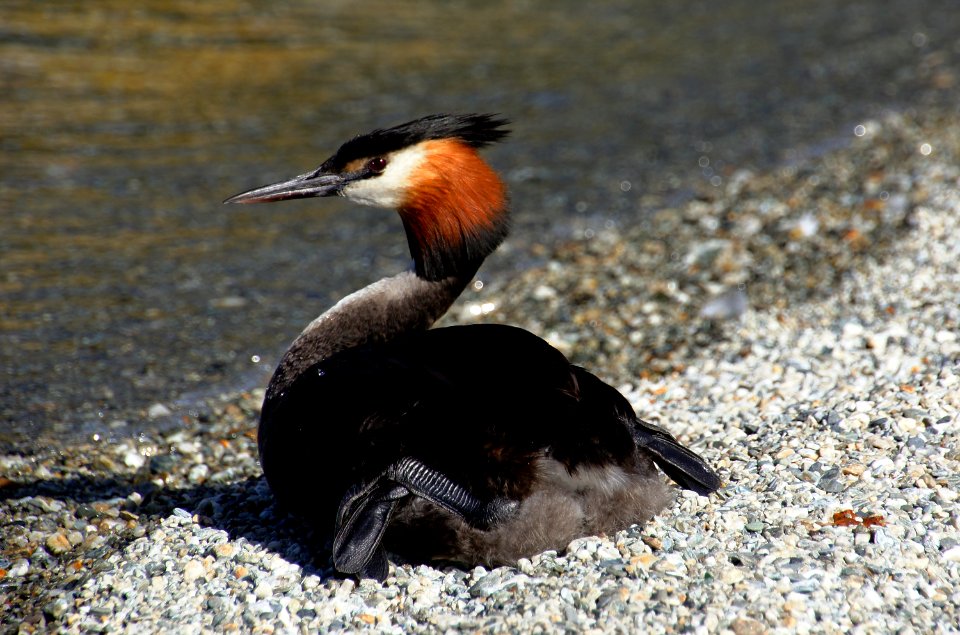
(377, 313)
(438, 257)
(454, 212)
(455, 215)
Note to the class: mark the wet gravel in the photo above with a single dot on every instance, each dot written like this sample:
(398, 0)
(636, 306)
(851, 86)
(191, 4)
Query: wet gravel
(797, 327)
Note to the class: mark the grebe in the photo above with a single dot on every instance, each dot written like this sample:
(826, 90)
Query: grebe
(473, 444)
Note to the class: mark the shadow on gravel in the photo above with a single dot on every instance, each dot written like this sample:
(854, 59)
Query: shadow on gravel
(242, 509)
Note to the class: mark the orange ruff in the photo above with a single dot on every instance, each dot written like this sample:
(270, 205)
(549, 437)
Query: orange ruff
(455, 195)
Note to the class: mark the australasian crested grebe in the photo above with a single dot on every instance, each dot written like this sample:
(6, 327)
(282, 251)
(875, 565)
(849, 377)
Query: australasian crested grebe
(475, 444)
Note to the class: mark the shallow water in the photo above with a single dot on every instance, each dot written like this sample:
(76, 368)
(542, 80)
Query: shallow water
(124, 282)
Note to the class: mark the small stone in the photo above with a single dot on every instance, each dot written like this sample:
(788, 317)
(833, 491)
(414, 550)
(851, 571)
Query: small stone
(198, 473)
(883, 539)
(134, 459)
(162, 464)
(746, 626)
(158, 410)
(265, 608)
(653, 542)
(731, 575)
(46, 505)
(495, 581)
(729, 305)
(224, 550)
(104, 463)
(156, 568)
(193, 570)
(916, 442)
(86, 512)
(543, 292)
(19, 568)
(644, 561)
(852, 330)
(882, 465)
(952, 554)
(56, 609)
(58, 544)
(870, 599)
(808, 585)
(672, 563)
(831, 485)
(907, 425)
(263, 590)
(485, 585)
(755, 526)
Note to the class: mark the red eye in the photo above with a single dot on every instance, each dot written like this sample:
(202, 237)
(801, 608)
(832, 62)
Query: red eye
(377, 164)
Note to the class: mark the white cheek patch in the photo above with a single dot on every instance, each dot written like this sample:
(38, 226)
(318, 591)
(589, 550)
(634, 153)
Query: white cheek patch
(388, 189)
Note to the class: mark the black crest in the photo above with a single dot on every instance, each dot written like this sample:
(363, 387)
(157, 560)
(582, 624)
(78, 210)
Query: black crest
(476, 130)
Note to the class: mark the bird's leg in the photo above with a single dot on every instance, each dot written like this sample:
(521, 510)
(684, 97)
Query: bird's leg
(365, 512)
(437, 488)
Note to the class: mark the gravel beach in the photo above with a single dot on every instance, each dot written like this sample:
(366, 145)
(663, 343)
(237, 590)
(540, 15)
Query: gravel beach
(798, 328)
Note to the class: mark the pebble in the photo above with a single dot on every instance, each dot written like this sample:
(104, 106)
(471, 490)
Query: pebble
(19, 568)
(56, 609)
(192, 570)
(263, 590)
(835, 392)
(224, 550)
(58, 544)
(832, 485)
(747, 626)
(133, 459)
(158, 410)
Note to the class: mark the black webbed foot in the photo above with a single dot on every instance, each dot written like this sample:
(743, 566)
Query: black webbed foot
(363, 517)
(365, 512)
(377, 567)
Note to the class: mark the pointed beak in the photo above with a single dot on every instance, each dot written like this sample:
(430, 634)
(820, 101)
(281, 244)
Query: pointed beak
(304, 186)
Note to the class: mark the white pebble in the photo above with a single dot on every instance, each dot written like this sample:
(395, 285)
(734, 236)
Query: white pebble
(158, 410)
(192, 570)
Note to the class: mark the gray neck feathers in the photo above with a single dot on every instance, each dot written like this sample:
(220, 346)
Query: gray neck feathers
(377, 313)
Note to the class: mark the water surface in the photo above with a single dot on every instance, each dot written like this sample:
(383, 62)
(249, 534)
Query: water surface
(125, 283)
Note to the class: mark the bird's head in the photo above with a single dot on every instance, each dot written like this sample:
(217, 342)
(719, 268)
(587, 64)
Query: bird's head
(453, 205)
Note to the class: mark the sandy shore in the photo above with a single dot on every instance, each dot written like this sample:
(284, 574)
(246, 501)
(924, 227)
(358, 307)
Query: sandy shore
(799, 328)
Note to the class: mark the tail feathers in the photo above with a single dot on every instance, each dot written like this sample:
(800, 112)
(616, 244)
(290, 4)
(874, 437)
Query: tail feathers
(685, 467)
